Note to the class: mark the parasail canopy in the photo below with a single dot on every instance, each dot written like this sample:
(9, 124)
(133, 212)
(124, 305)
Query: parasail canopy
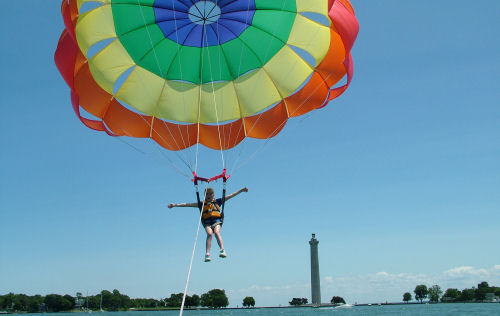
(212, 72)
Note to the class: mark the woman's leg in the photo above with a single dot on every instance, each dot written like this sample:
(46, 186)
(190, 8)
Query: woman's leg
(218, 236)
(208, 243)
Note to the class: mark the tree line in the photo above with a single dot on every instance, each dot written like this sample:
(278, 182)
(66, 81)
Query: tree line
(297, 301)
(111, 301)
(434, 294)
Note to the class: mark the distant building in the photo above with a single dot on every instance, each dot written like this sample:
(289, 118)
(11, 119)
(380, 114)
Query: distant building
(78, 302)
(490, 297)
(446, 299)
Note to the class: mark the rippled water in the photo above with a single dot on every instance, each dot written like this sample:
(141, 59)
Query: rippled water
(484, 309)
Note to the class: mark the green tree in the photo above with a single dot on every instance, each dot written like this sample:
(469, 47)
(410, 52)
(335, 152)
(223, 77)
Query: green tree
(6, 302)
(466, 295)
(93, 302)
(111, 301)
(33, 307)
(496, 290)
(57, 303)
(192, 301)
(407, 297)
(482, 289)
(337, 300)
(115, 301)
(435, 293)
(147, 303)
(70, 299)
(106, 299)
(20, 302)
(124, 300)
(450, 295)
(421, 292)
(34, 304)
(298, 301)
(175, 300)
(215, 298)
(248, 301)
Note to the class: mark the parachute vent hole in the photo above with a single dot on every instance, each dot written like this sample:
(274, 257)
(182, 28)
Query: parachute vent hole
(85, 114)
(316, 17)
(89, 6)
(308, 58)
(97, 47)
(121, 80)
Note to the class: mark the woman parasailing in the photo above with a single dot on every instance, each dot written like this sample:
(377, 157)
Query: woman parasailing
(212, 217)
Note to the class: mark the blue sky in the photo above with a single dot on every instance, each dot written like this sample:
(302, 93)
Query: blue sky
(399, 177)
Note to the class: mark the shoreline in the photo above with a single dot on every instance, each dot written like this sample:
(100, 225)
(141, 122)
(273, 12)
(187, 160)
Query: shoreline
(326, 305)
(306, 306)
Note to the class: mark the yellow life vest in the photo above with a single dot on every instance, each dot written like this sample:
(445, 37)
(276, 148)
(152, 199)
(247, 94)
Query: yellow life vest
(210, 210)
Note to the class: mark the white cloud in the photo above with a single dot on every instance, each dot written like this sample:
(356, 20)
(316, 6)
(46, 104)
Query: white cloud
(465, 272)
(372, 288)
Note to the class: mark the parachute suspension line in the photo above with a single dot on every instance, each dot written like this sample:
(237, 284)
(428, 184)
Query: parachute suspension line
(242, 126)
(276, 24)
(283, 2)
(226, 139)
(194, 244)
(215, 105)
(236, 168)
(276, 129)
(240, 151)
(180, 69)
(184, 160)
(199, 105)
(162, 153)
(241, 52)
(171, 164)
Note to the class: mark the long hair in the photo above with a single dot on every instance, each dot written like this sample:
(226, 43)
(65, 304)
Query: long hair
(209, 190)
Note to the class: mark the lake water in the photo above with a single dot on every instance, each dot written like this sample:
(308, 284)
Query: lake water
(486, 309)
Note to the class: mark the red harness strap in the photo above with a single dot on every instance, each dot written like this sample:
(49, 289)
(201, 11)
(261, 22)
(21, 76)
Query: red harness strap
(223, 175)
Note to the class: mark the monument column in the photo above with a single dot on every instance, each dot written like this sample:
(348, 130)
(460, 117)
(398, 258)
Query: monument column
(315, 285)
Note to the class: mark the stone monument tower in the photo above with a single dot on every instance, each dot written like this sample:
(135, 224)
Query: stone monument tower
(315, 286)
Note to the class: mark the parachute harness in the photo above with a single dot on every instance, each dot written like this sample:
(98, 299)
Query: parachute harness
(224, 178)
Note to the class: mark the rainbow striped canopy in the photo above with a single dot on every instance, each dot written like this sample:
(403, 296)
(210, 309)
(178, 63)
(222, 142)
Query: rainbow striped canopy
(211, 72)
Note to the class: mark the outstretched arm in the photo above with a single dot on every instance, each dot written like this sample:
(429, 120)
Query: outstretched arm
(232, 195)
(183, 205)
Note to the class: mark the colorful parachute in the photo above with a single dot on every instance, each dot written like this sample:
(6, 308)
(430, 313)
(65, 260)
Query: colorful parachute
(211, 72)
